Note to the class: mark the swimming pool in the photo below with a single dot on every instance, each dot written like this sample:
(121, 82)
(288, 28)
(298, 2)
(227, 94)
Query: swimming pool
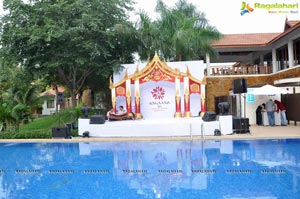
(136, 170)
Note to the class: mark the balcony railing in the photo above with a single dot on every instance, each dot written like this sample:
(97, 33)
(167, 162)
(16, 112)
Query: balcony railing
(240, 70)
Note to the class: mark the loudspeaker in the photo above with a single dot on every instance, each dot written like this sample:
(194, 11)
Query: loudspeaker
(217, 132)
(85, 111)
(240, 125)
(209, 116)
(239, 86)
(86, 134)
(224, 108)
(60, 98)
(97, 119)
(60, 132)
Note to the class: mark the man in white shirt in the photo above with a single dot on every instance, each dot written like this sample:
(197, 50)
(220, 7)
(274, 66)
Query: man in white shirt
(121, 110)
(270, 108)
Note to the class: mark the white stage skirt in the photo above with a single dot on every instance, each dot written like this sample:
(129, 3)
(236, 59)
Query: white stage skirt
(151, 128)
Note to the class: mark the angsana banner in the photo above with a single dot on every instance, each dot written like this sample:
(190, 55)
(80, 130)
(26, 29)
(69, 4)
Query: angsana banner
(157, 99)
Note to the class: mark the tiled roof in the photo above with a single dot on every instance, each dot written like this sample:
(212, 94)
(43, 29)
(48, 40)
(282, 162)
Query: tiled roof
(251, 39)
(52, 91)
(255, 39)
(292, 23)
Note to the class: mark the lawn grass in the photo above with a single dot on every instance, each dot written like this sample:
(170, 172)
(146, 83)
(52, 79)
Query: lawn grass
(41, 127)
(47, 122)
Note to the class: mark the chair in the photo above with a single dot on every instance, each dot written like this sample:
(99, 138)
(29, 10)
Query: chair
(250, 69)
(262, 69)
(214, 71)
(270, 69)
(244, 70)
(238, 70)
(230, 71)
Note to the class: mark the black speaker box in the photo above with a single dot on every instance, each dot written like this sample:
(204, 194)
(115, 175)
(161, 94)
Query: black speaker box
(60, 132)
(240, 125)
(239, 86)
(60, 98)
(97, 119)
(217, 132)
(209, 116)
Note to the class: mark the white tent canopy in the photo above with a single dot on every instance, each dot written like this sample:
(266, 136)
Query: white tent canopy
(268, 90)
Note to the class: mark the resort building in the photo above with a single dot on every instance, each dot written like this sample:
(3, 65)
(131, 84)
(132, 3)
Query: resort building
(53, 101)
(185, 89)
(262, 58)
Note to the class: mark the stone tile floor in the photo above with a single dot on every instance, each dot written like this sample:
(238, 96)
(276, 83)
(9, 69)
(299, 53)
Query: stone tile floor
(256, 132)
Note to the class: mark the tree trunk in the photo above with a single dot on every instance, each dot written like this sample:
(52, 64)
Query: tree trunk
(87, 97)
(179, 57)
(73, 98)
(56, 103)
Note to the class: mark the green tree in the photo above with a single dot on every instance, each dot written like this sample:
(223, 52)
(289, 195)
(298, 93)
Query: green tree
(18, 97)
(5, 116)
(148, 34)
(18, 104)
(183, 32)
(66, 41)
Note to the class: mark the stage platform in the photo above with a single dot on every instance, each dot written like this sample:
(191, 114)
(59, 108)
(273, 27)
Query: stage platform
(193, 126)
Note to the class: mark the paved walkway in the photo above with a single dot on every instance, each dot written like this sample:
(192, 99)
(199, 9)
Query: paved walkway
(264, 132)
(256, 132)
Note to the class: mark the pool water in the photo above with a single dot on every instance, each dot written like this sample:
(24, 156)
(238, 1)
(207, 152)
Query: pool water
(136, 170)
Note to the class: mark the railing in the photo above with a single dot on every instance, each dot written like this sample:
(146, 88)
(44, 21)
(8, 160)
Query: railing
(241, 70)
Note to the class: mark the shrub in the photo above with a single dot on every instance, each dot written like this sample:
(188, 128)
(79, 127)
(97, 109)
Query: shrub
(38, 134)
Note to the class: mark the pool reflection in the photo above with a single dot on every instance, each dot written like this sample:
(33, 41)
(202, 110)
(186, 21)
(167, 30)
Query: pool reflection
(198, 169)
(229, 168)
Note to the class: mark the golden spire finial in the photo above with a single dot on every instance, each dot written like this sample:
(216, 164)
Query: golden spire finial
(204, 80)
(156, 57)
(187, 70)
(136, 69)
(126, 73)
(136, 72)
(111, 84)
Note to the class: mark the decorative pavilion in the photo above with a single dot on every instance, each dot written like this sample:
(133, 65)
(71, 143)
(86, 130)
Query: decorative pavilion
(157, 71)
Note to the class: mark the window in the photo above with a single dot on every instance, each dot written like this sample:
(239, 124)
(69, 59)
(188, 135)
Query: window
(50, 104)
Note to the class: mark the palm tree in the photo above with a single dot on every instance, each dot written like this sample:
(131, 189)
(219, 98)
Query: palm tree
(148, 34)
(28, 101)
(5, 116)
(18, 105)
(181, 33)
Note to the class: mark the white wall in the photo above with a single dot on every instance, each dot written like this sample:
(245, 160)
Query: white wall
(161, 108)
(258, 100)
(49, 111)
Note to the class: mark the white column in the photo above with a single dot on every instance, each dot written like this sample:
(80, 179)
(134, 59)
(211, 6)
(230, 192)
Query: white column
(261, 59)
(177, 87)
(137, 88)
(113, 99)
(208, 64)
(291, 54)
(274, 60)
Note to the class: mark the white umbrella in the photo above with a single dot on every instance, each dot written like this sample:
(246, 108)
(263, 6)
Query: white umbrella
(268, 90)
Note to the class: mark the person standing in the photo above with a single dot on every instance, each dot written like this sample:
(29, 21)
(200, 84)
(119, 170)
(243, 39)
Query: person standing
(282, 109)
(259, 110)
(270, 108)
